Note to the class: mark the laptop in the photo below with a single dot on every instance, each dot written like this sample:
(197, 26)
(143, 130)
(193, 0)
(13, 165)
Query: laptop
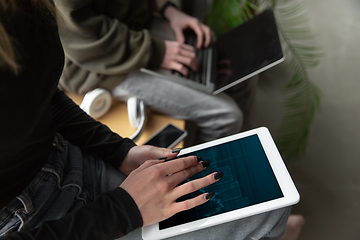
(235, 56)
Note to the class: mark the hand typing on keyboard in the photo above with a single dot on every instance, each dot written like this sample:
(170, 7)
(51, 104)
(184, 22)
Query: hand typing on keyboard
(180, 57)
(179, 21)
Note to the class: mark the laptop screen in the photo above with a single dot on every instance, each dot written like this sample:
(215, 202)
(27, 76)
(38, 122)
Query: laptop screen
(247, 50)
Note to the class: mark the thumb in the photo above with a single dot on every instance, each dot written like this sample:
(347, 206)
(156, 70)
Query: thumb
(165, 153)
(179, 34)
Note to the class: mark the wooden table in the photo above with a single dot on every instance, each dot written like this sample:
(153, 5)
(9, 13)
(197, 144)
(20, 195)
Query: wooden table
(117, 120)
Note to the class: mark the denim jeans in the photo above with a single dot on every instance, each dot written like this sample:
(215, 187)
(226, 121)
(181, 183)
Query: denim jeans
(70, 179)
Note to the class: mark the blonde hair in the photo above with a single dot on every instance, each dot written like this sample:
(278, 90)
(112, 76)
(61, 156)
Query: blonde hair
(8, 57)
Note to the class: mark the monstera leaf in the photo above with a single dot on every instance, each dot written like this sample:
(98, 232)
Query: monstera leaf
(302, 96)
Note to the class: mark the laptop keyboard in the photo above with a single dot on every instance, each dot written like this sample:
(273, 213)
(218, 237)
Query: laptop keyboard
(202, 55)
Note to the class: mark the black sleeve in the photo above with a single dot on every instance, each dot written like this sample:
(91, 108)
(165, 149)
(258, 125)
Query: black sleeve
(90, 135)
(111, 215)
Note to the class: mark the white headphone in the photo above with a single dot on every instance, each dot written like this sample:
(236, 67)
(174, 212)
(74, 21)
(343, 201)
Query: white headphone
(97, 103)
(137, 115)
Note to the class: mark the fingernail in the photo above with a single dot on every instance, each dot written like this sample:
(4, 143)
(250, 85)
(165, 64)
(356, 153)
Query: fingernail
(176, 150)
(218, 175)
(205, 164)
(209, 195)
(163, 158)
(199, 159)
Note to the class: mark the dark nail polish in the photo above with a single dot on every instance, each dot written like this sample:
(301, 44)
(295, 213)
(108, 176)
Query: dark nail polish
(205, 164)
(199, 159)
(163, 158)
(209, 195)
(176, 150)
(218, 175)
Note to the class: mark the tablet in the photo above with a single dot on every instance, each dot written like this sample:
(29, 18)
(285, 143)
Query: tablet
(255, 181)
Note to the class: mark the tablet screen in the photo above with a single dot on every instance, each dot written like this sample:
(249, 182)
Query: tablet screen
(248, 179)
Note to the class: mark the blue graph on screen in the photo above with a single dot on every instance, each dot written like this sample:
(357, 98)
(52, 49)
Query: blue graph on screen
(248, 179)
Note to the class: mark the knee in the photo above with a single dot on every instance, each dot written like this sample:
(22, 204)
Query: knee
(234, 118)
(227, 121)
(238, 116)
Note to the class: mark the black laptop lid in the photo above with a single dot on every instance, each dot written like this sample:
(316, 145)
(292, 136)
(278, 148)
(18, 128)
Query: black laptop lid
(247, 49)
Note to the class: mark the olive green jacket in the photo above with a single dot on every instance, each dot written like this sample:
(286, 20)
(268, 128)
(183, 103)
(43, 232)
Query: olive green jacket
(104, 40)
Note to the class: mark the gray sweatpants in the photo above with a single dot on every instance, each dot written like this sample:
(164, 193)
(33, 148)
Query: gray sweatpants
(216, 116)
(265, 226)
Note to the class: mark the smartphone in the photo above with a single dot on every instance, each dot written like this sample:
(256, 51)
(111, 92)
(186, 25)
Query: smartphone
(167, 137)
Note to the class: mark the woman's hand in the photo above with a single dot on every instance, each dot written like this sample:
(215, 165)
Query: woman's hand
(154, 187)
(178, 56)
(139, 154)
(179, 21)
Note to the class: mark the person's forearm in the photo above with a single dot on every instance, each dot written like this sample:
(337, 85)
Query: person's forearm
(98, 42)
(160, 3)
(90, 135)
(169, 9)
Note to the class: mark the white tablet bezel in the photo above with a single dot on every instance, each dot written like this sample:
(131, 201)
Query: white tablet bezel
(291, 195)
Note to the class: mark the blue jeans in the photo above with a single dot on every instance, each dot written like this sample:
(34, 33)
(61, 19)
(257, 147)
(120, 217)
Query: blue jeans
(70, 179)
